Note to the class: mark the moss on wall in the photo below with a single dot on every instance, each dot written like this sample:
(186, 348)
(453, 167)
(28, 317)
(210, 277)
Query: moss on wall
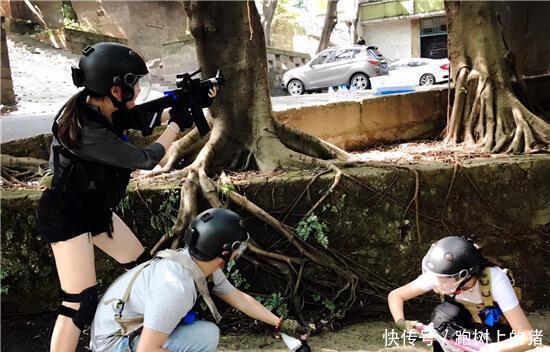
(503, 204)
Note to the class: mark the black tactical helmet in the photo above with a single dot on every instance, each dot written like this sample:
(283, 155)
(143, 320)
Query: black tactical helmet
(104, 65)
(453, 256)
(215, 231)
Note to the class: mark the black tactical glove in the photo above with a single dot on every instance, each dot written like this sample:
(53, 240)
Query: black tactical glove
(292, 328)
(181, 116)
(207, 96)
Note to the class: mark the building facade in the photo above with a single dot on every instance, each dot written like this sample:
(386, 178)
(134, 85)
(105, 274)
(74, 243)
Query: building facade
(404, 28)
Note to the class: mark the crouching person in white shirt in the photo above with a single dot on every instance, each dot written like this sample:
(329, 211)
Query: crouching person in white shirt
(455, 268)
(149, 308)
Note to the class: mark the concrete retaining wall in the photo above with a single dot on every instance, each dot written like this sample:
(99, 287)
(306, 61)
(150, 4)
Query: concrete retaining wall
(508, 212)
(354, 125)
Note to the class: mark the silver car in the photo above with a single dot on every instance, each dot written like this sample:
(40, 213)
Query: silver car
(336, 66)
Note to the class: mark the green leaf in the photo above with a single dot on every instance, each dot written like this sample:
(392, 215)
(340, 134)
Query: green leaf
(329, 304)
(316, 297)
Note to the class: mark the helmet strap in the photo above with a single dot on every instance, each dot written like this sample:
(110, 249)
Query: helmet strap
(461, 285)
(226, 253)
(126, 96)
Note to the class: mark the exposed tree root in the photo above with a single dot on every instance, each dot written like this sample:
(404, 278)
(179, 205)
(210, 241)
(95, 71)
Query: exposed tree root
(197, 179)
(307, 144)
(8, 183)
(337, 179)
(415, 200)
(18, 171)
(293, 205)
(256, 250)
(191, 143)
(512, 129)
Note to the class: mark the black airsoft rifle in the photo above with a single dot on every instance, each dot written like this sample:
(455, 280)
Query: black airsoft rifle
(188, 99)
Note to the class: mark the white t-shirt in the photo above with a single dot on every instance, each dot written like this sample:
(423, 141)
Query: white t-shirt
(501, 289)
(163, 294)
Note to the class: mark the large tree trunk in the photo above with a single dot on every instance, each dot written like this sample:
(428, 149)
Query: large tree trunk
(244, 135)
(242, 125)
(8, 97)
(267, 12)
(486, 111)
(331, 18)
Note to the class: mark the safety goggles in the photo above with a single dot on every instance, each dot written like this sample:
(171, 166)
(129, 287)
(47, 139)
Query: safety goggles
(130, 79)
(446, 284)
(141, 84)
(240, 246)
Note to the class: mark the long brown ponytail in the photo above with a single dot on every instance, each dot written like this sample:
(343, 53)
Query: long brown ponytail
(70, 121)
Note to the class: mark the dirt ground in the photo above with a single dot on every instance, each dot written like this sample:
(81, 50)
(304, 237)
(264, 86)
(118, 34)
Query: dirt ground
(25, 334)
(363, 337)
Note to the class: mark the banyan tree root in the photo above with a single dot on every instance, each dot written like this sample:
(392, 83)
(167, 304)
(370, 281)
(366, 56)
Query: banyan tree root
(510, 128)
(486, 112)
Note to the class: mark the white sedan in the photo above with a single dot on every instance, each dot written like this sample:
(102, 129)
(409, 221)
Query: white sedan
(419, 71)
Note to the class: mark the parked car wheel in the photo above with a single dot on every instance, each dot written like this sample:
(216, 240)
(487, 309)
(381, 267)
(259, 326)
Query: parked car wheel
(427, 80)
(360, 81)
(295, 87)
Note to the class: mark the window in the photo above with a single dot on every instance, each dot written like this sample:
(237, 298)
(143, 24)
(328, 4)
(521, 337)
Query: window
(323, 58)
(362, 54)
(433, 26)
(343, 55)
(375, 53)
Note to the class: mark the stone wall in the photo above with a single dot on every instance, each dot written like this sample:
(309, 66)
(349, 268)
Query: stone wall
(280, 61)
(177, 57)
(501, 203)
(74, 40)
(45, 13)
(145, 24)
(180, 56)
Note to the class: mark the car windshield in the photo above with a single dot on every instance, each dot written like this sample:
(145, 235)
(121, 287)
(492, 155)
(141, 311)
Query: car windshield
(321, 58)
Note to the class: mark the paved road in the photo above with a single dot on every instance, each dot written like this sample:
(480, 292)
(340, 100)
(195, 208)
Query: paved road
(16, 126)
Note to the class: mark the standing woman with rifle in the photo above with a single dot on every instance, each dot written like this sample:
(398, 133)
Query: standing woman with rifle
(92, 161)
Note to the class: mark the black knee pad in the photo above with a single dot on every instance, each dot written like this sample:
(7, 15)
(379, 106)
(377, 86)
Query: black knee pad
(88, 300)
(450, 319)
(143, 257)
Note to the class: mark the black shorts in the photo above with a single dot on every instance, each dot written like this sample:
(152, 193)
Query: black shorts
(61, 218)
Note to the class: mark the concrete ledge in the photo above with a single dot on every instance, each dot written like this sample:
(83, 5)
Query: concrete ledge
(355, 125)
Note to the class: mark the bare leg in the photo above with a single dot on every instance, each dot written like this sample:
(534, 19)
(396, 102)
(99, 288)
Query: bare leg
(74, 259)
(124, 247)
